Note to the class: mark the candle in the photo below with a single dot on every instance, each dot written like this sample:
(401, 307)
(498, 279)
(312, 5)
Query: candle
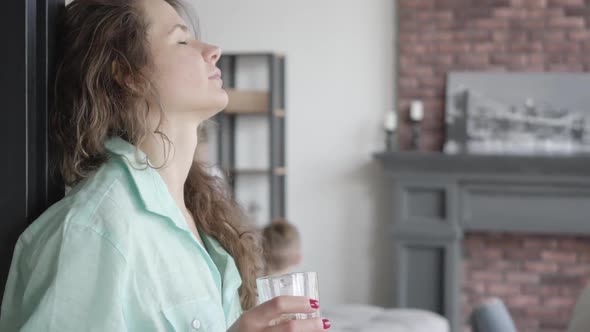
(417, 111)
(390, 121)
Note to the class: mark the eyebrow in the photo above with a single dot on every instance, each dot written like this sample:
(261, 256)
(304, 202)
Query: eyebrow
(178, 26)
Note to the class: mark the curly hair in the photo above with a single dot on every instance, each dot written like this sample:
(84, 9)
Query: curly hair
(102, 41)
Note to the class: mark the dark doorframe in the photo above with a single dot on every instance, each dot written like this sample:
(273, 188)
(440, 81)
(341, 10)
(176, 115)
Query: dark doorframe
(27, 29)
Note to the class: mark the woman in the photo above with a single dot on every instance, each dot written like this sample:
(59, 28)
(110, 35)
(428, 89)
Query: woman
(145, 240)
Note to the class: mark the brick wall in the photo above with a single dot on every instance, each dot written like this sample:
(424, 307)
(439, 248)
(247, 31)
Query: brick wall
(538, 277)
(438, 36)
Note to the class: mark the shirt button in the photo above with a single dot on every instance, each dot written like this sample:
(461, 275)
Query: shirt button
(196, 324)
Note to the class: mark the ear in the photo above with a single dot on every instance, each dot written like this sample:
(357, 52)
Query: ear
(297, 259)
(121, 78)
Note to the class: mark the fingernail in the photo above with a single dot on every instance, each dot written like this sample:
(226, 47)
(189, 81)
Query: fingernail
(314, 304)
(327, 324)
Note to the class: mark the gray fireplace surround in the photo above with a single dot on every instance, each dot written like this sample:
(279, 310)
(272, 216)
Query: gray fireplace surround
(437, 198)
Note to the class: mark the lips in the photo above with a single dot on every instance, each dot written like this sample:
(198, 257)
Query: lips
(216, 75)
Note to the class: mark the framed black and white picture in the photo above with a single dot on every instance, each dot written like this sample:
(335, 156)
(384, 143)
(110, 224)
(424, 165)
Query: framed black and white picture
(518, 113)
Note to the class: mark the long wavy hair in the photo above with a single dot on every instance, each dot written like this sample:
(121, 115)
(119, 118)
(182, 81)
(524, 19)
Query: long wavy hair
(102, 41)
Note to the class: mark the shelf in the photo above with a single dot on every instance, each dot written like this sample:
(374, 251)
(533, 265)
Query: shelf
(260, 104)
(250, 102)
(279, 171)
(254, 54)
(496, 165)
(280, 113)
(247, 101)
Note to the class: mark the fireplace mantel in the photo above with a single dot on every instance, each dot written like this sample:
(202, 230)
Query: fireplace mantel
(436, 198)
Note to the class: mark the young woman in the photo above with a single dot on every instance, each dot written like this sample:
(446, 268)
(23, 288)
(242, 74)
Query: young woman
(145, 240)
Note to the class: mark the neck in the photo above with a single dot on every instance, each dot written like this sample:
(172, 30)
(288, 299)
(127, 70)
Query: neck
(177, 157)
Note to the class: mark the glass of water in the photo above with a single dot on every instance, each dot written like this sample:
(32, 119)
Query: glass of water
(292, 284)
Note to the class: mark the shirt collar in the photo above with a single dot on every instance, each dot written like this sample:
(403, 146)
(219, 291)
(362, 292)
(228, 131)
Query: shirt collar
(147, 181)
(156, 198)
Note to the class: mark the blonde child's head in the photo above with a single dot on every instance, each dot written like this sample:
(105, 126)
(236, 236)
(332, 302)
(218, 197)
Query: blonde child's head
(281, 245)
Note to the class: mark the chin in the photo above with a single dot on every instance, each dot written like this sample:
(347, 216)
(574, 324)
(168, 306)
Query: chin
(215, 108)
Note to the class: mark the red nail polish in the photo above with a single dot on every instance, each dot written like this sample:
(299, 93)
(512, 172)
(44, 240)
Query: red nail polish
(327, 324)
(314, 304)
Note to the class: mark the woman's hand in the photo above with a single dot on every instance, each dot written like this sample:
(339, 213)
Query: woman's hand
(259, 318)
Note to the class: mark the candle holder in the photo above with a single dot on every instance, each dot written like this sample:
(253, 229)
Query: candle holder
(415, 141)
(416, 117)
(390, 140)
(390, 126)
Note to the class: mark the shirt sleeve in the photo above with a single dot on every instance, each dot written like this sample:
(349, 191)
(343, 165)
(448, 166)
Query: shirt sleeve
(73, 281)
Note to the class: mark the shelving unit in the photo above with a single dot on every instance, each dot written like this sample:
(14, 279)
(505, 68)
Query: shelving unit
(262, 105)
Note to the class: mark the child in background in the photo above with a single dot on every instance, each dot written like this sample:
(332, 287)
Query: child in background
(281, 245)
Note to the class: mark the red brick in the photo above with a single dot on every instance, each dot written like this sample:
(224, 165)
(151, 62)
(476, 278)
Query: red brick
(523, 301)
(529, 47)
(561, 47)
(579, 35)
(529, 24)
(475, 287)
(500, 36)
(434, 81)
(487, 276)
(494, 253)
(552, 36)
(542, 290)
(511, 59)
(436, 36)
(489, 47)
(576, 244)
(559, 257)
(492, 24)
(558, 280)
(455, 48)
(431, 93)
(522, 277)
(417, 4)
(472, 35)
(406, 61)
(541, 267)
(561, 3)
(417, 71)
(539, 242)
(416, 48)
(567, 22)
(543, 313)
(527, 68)
(408, 83)
(511, 13)
(559, 302)
(408, 37)
(503, 289)
(473, 59)
(529, 3)
(473, 241)
(576, 270)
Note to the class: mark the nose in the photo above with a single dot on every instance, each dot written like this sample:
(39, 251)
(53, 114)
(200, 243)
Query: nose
(212, 54)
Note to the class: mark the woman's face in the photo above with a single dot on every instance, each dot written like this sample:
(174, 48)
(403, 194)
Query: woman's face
(186, 75)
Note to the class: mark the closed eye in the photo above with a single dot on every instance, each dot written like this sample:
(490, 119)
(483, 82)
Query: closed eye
(183, 43)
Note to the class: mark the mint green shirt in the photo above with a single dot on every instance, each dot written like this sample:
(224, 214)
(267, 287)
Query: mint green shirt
(116, 254)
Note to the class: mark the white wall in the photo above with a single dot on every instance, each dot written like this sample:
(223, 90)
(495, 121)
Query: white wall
(339, 82)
